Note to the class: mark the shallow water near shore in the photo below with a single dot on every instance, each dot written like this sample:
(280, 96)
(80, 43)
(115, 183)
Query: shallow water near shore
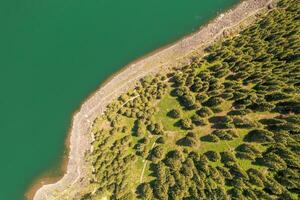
(54, 53)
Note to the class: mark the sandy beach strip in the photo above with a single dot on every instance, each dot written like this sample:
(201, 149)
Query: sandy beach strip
(170, 56)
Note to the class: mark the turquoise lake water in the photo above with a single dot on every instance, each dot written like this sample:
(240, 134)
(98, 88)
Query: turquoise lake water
(53, 53)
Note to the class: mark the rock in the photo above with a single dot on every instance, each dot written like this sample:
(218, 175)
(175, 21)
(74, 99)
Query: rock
(270, 6)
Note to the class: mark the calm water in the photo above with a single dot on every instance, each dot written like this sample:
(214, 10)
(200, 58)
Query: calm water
(53, 53)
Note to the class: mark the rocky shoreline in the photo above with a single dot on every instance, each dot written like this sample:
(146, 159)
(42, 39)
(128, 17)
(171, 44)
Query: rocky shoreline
(171, 56)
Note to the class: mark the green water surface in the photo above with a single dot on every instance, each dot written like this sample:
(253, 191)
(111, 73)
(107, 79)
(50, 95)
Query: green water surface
(53, 53)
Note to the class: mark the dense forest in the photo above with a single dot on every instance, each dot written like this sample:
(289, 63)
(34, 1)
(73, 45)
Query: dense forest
(227, 126)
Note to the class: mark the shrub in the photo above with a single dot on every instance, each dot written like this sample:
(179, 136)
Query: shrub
(238, 95)
(272, 121)
(156, 153)
(177, 92)
(158, 129)
(222, 134)
(259, 135)
(230, 84)
(174, 113)
(262, 106)
(244, 155)
(189, 81)
(242, 102)
(221, 119)
(221, 73)
(198, 121)
(191, 134)
(243, 123)
(215, 67)
(238, 172)
(273, 161)
(123, 97)
(291, 118)
(213, 101)
(213, 156)
(287, 107)
(178, 79)
(273, 186)
(204, 112)
(210, 138)
(196, 87)
(249, 148)
(238, 182)
(144, 140)
(227, 156)
(155, 128)
(217, 109)
(204, 75)
(226, 95)
(187, 141)
(173, 159)
(233, 133)
(186, 124)
(222, 122)
(213, 93)
(276, 96)
(188, 100)
(239, 112)
(146, 191)
(255, 180)
(225, 172)
(161, 140)
(140, 128)
(196, 106)
(201, 97)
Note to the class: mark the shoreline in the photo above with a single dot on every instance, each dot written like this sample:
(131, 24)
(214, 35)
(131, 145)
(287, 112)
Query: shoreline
(50, 177)
(169, 56)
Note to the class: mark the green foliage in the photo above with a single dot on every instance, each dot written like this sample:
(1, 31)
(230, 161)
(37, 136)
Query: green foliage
(259, 135)
(213, 156)
(188, 100)
(189, 140)
(210, 138)
(240, 122)
(223, 134)
(241, 101)
(140, 128)
(227, 157)
(213, 101)
(186, 124)
(262, 106)
(175, 113)
(276, 96)
(198, 121)
(146, 191)
(161, 140)
(204, 112)
(239, 112)
(156, 153)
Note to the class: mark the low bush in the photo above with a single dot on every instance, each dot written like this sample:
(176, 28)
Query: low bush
(259, 135)
(174, 113)
(186, 124)
(204, 112)
(198, 121)
(212, 156)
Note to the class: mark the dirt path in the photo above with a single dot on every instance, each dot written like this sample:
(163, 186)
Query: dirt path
(145, 164)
